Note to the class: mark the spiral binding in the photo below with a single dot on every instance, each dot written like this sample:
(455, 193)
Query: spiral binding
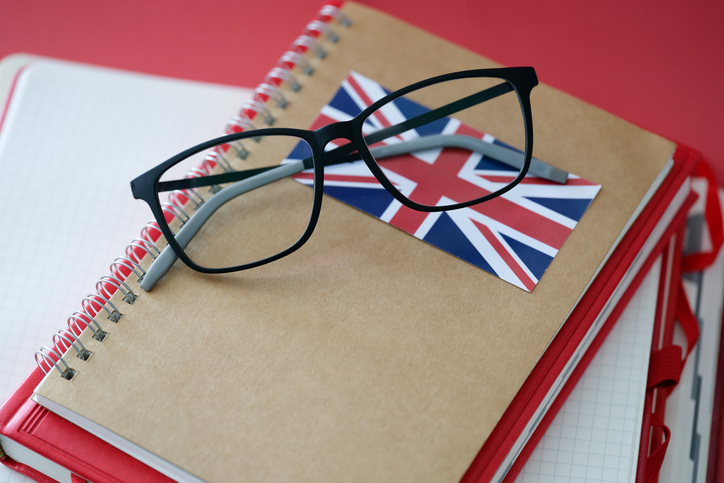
(44, 355)
(294, 58)
(122, 268)
(275, 77)
(64, 339)
(130, 265)
(90, 323)
(260, 109)
(101, 287)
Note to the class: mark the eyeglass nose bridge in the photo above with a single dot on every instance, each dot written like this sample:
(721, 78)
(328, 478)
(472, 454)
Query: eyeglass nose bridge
(335, 131)
(338, 131)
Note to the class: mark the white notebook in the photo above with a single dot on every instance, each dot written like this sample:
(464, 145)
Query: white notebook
(59, 116)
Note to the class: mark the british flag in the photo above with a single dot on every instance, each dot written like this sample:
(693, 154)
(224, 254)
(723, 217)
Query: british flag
(514, 237)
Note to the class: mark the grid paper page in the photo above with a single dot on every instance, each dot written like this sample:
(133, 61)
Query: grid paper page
(73, 138)
(595, 436)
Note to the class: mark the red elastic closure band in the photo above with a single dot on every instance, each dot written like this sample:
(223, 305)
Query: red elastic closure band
(665, 367)
(656, 459)
(687, 320)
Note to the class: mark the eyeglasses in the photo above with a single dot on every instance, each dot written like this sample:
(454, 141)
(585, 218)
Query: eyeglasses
(253, 187)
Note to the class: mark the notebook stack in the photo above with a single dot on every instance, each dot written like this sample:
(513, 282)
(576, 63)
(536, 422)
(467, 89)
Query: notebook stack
(379, 350)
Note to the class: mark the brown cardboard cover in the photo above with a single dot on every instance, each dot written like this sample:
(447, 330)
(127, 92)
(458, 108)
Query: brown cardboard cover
(367, 355)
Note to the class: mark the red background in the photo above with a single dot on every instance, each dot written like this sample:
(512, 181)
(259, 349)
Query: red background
(659, 64)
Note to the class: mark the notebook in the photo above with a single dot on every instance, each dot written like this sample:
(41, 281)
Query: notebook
(586, 438)
(595, 435)
(361, 357)
(78, 108)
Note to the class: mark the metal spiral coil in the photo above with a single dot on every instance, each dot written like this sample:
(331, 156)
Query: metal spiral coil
(259, 108)
(97, 301)
(101, 287)
(310, 43)
(239, 123)
(128, 264)
(88, 323)
(180, 197)
(218, 158)
(319, 27)
(336, 13)
(65, 339)
(144, 245)
(45, 355)
(266, 91)
(124, 267)
(200, 172)
(278, 74)
(176, 212)
(292, 57)
(148, 228)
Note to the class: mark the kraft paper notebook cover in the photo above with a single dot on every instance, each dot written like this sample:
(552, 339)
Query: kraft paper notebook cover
(369, 355)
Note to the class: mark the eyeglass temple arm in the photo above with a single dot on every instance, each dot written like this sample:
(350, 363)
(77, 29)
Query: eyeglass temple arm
(503, 154)
(222, 178)
(500, 153)
(163, 262)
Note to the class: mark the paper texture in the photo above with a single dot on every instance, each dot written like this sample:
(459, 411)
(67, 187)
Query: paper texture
(367, 355)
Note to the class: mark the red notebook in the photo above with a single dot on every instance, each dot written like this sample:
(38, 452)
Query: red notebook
(48, 435)
(666, 193)
(49, 448)
(592, 327)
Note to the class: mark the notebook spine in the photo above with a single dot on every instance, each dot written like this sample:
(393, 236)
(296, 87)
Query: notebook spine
(254, 112)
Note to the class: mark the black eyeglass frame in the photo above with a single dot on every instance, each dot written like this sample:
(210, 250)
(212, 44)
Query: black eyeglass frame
(519, 79)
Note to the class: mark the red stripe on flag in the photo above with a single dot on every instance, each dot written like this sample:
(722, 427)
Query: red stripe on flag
(533, 180)
(371, 180)
(368, 101)
(365, 98)
(321, 121)
(511, 262)
(408, 219)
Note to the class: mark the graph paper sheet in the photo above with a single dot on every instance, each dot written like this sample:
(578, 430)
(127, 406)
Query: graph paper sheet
(72, 139)
(596, 434)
